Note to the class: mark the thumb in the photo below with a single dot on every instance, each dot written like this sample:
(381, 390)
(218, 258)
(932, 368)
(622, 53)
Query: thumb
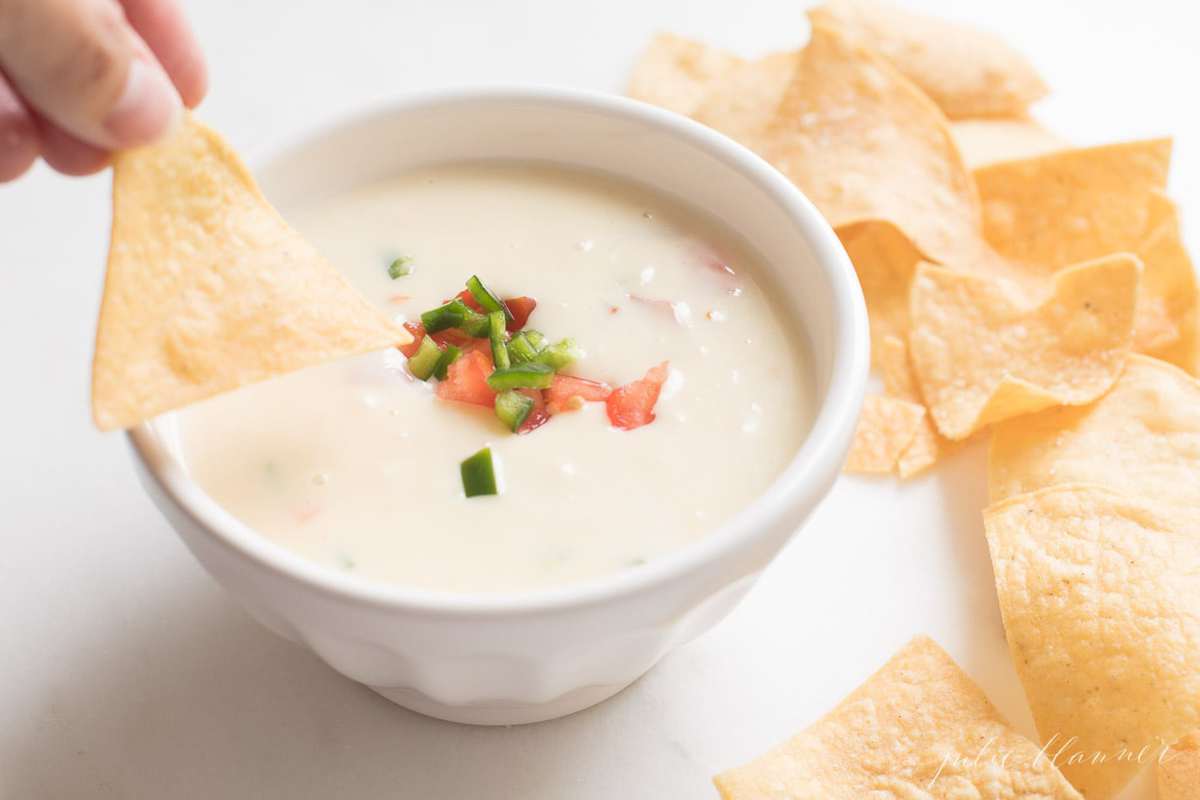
(80, 65)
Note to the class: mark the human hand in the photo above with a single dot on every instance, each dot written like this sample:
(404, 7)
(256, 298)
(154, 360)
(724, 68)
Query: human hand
(81, 78)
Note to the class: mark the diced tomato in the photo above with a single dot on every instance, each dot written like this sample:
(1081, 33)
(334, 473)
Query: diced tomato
(632, 405)
(568, 393)
(520, 308)
(418, 333)
(451, 336)
(466, 380)
(468, 298)
(538, 416)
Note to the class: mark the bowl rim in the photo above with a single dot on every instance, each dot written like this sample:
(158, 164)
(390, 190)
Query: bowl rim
(805, 480)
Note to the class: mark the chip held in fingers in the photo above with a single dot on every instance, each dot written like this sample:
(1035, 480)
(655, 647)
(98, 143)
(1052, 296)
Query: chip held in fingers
(208, 289)
(918, 728)
(982, 353)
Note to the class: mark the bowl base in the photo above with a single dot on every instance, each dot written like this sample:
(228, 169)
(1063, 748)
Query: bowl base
(500, 713)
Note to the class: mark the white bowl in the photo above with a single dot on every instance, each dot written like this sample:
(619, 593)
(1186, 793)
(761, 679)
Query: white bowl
(509, 659)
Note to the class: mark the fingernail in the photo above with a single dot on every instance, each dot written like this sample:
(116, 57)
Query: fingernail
(149, 107)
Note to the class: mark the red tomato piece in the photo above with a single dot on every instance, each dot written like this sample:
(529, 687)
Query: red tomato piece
(538, 415)
(418, 333)
(520, 308)
(632, 405)
(466, 380)
(451, 336)
(569, 393)
(468, 298)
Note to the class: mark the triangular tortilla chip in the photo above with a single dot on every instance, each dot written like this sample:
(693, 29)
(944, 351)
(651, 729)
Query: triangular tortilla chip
(865, 145)
(885, 261)
(899, 381)
(1167, 308)
(1100, 595)
(1141, 438)
(886, 428)
(677, 73)
(989, 141)
(983, 354)
(1074, 205)
(918, 728)
(967, 72)
(1179, 770)
(741, 102)
(208, 288)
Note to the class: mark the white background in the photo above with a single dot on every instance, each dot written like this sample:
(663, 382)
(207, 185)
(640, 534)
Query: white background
(126, 673)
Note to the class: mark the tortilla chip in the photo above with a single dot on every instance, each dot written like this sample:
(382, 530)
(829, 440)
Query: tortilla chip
(866, 145)
(1179, 770)
(208, 288)
(899, 381)
(1142, 438)
(676, 73)
(1100, 595)
(988, 141)
(982, 354)
(1074, 205)
(742, 101)
(967, 72)
(918, 728)
(1165, 325)
(886, 427)
(885, 261)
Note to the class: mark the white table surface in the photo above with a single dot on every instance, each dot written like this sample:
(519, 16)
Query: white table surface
(126, 673)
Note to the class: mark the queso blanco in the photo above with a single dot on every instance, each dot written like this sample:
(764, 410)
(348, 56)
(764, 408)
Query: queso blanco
(634, 388)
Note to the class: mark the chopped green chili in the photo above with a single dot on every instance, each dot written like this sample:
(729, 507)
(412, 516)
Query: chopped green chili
(476, 325)
(451, 315)
(424, 362)
(448, 357)
(497, 334)
(486, 298)
(523, 376)
(512, 408)
(520, 349)
(400, 267)
(479, 474)
(560, 355)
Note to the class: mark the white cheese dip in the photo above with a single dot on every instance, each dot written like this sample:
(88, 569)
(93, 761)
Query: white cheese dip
(356, 464)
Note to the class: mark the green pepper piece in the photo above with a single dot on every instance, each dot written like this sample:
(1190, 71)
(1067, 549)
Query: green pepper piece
(400, 267)
(523, 376)
(424, 362)
(497, 334)
(479, 474)
(448, 357)
(560, 355)
(486, 298)
(513, 408)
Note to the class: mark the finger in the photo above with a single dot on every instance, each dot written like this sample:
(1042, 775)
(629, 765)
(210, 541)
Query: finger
(79, 64)
(18, 135)
(162, 26)
(69, 155)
